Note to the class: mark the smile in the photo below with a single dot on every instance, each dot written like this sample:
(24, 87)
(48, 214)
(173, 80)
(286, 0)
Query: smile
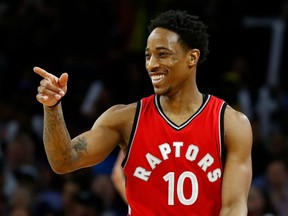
(157, 78)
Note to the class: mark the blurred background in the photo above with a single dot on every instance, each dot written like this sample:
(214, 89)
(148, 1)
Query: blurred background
(101, 46)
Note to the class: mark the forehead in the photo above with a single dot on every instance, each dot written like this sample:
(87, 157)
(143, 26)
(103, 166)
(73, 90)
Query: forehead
(161, 37)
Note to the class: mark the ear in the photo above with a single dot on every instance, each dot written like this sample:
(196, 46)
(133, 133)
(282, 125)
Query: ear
(193, 57)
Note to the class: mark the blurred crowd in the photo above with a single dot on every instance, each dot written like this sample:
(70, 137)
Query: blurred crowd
(100, 44)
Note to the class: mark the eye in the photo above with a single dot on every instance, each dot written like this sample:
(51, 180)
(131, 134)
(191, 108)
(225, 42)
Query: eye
(162, 54)
(147, 56)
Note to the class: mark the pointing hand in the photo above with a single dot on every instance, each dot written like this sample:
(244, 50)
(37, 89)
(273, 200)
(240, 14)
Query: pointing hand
(51, 88)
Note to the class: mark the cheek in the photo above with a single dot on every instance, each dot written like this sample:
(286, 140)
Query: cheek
(146, 65)
(169, 65)
(176, 67)
(173, 62)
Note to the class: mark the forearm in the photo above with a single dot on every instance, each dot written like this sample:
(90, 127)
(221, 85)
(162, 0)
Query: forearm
(57, 141)
(119, 182)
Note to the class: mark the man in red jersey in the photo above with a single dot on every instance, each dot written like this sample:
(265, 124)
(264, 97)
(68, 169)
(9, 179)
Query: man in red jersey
(186, 152)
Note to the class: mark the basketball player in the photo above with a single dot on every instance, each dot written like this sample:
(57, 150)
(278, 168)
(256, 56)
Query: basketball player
(186, 152)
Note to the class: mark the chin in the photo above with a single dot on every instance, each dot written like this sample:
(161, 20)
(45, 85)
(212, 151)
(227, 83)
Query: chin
(160, 91)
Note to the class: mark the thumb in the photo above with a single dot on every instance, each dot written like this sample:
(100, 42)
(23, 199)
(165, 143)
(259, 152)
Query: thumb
(63, 79)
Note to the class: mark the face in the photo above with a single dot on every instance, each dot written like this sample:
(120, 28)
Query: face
(167, 62)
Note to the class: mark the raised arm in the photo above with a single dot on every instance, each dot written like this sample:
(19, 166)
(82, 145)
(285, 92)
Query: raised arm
(89, 148)
(238, 166)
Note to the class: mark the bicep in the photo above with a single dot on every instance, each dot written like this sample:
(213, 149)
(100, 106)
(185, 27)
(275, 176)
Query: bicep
(238, 165)
(93, 146)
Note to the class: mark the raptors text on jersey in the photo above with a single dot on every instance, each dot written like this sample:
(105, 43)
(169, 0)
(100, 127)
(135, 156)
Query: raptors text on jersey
(175, 169)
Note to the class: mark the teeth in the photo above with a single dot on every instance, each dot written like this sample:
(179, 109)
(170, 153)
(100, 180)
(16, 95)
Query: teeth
(157, 77)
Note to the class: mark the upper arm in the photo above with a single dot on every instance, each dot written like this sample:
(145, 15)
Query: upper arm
(108, 131)
(238, 165)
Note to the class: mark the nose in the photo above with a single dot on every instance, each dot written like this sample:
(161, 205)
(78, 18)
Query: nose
(152, 64)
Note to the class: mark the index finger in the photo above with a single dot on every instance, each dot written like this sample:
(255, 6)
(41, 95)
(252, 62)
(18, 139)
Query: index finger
(43, 73)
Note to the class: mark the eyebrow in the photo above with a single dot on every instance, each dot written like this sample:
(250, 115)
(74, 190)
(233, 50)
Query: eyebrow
(159, 48)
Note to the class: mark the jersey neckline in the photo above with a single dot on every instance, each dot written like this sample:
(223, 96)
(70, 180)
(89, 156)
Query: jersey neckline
(206, 98)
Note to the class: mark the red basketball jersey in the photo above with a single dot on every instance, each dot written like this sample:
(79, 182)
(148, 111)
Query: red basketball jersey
(175, 170)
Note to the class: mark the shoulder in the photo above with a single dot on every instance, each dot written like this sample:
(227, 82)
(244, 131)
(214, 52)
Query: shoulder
(118, 119)
(235, 117)
(120, 112)
(232, 116)
(237, 128)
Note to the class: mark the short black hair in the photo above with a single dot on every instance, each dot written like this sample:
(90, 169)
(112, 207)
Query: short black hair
(191, 30)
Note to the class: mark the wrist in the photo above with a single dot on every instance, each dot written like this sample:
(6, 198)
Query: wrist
(55, 105)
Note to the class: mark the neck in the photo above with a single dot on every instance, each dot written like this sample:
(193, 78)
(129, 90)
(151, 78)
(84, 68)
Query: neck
(182, 103)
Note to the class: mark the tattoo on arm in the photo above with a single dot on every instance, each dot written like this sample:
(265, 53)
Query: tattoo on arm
(80, 146)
